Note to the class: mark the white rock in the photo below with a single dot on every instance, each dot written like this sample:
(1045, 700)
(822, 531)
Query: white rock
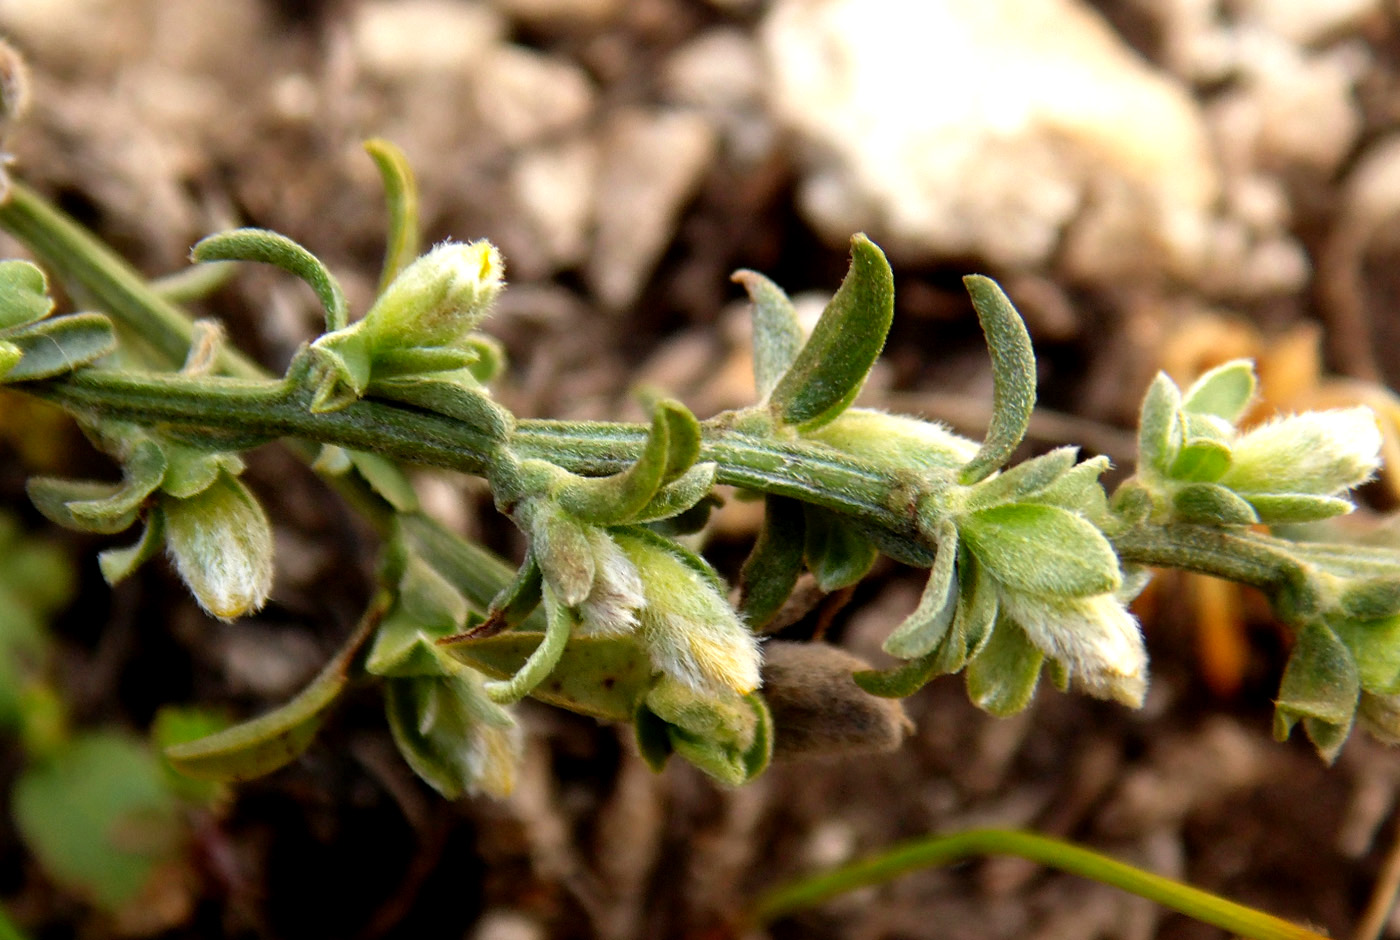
(559, 11)
(553, 186)
(651, 163)
(523, 95)
(980, 126)
(719, 69)
(1306, 21)
(401, 38)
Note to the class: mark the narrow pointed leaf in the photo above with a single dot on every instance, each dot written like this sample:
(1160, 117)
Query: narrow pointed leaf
(1280, 508)
(116, 564)
(263, 744)
(831, 367)
(924, 629)
(1041, 550)
(1013, 377)
(255, 244)
(1001, 679)
(603, 677)
(1024, 480)
(516, 601)
(401, 199)
(455, 394)
(24, 294)
(1224, 391)
(777, 336)
(59, 345)
(1159, 425)
(771, 570)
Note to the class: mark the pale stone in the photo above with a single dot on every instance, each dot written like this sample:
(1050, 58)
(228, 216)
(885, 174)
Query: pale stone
(718, 69)
(553, 186)
(1306, 21)
(523, 95)
(982, 127)
(651, 163)
(400, 38)
(560, 11)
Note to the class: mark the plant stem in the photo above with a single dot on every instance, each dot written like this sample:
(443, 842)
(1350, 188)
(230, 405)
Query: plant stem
(1044, 850)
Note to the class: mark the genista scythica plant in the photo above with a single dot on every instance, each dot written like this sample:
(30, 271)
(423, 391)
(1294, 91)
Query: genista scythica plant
(1031, 566)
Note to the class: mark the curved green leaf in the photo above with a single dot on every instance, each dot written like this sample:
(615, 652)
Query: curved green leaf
(771, 570)
(670, 449)
(261, 745)
(831, 367)
(924, 629)
(401, 199)
(1321, 682)
(256, 244)
(603, 677)
(777, 336)
(838, 554)
(1001, 679)
(1013, 377)
(1211, 504)
(559, 625)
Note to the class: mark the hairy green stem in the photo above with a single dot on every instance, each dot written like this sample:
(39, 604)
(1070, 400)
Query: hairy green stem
(1044, 850)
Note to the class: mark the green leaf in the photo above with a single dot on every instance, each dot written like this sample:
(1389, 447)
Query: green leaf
(559, 625)
(1373, 598)
(190, 471)
(24, 294)
(261, 745)
(105, 508)
(516, 601)
(117, 564)
(176, 724)
(99, 817)
(454, 394)
(831, 367)
(1375, 647)
(729, 737)
(1013, 377)
(670, 449)
(453, 737)
(924, 629)
(603, 677)
(1327, 737)
(1023, 481)
(397, 361)
(1001, 679)
(837, 553)
(256, 244)
(899, 681)
(1159, 425)
(1078, 490)
(1321, 681)
(560, 544)
(1211, 504)
(59, 345)
(1041, 550)
(1200, 459)
(10, 355)
(770, 572)
(385, 478)
(1224, 391)
(426, 608)
(777, 336)
(681, 495)
(342, 370)
(401, 199)
(1279, 508)
(653, 738)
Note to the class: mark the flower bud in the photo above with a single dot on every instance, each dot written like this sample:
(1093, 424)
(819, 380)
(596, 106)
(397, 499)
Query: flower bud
(895, 440)
(610, 609)
(1094, 637)
(438, 299)
(221, 544)
(687, 626)
(1317, 452)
